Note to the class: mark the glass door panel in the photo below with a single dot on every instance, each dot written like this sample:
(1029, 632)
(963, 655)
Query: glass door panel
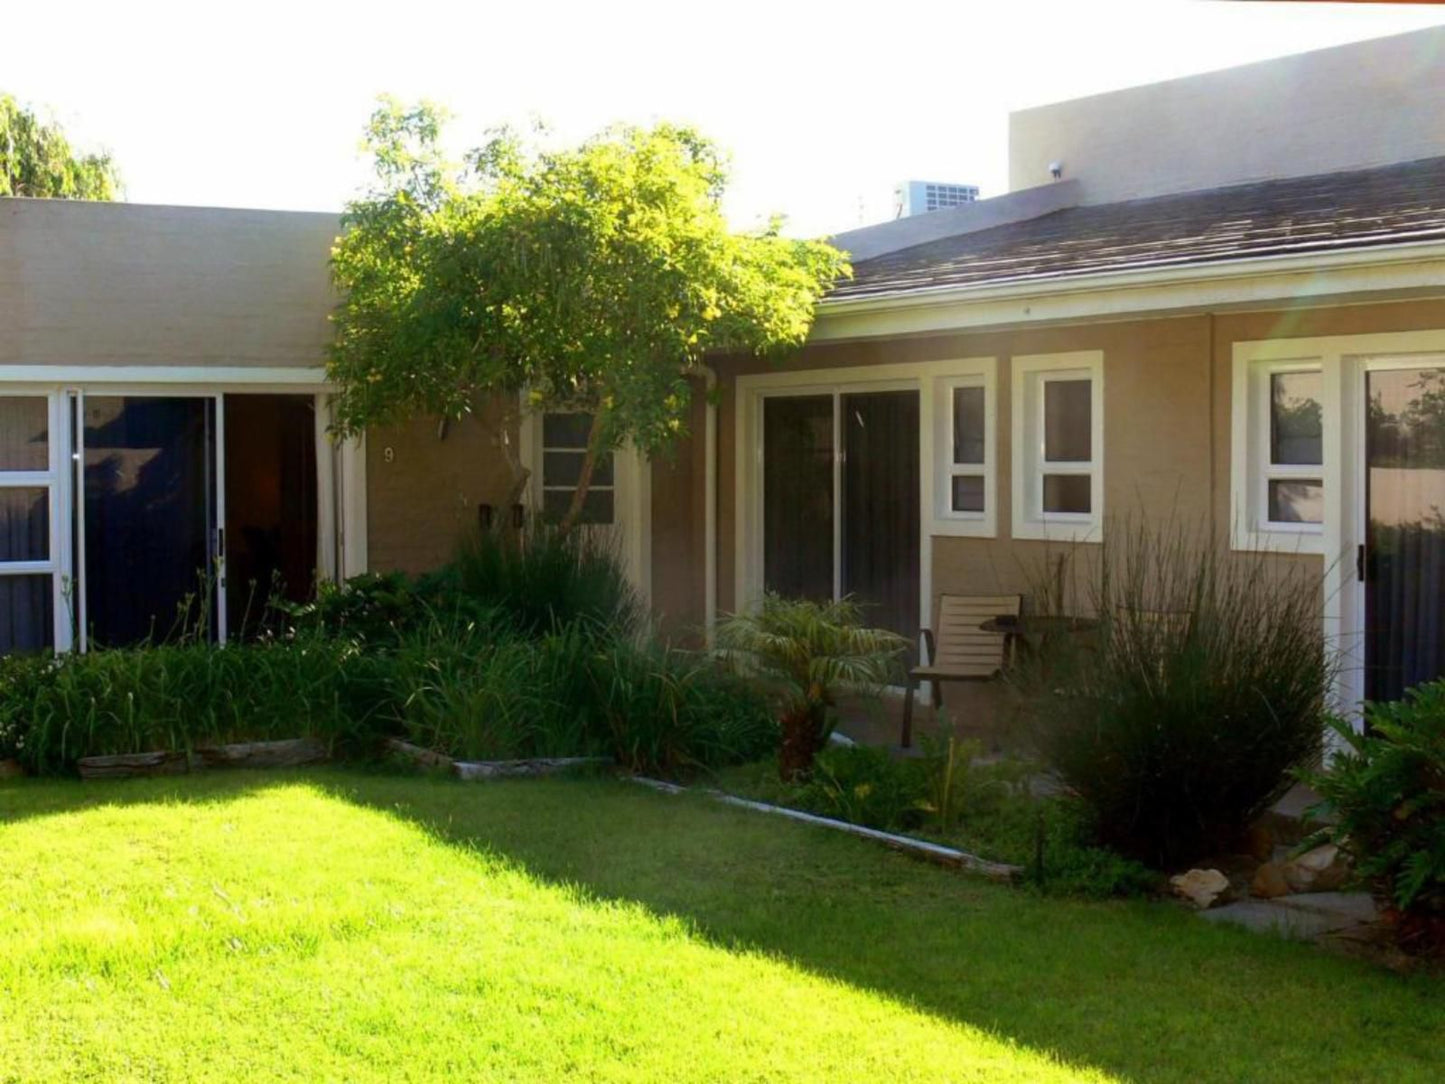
(1403, 562)
(798, 496)
(881, 507)
(149, 470)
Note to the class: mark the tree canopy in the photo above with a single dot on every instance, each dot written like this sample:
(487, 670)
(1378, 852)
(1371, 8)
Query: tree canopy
(36, 159)
(593, 279)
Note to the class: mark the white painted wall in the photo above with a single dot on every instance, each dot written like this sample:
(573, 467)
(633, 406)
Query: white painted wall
(104, 284)
(1354, 106)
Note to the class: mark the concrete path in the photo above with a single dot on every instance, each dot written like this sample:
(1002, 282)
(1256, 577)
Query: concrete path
(1301, 917)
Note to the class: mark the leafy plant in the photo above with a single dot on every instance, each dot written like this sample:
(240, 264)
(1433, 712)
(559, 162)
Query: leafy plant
(1385, 791)
(807, 653)
(595, 278)
(866, 785)
(1179, 719)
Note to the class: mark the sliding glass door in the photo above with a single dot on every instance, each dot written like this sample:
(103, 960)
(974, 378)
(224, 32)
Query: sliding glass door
(132, 518)
(840, 480)
(1402, 562)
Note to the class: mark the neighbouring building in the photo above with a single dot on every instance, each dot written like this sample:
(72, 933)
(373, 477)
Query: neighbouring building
(1220, 297)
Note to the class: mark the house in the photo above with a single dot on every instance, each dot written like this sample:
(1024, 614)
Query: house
(1221, 296)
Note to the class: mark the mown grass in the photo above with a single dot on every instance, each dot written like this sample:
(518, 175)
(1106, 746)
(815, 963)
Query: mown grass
(340, 925)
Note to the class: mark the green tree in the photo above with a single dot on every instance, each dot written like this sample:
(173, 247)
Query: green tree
(37, 160)
(592, 279)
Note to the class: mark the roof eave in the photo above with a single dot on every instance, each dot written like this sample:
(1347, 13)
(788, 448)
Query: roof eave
(1401, 266)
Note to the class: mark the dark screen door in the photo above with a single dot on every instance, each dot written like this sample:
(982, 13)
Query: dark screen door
(1404, 558)
(149, 493)
(881, 507)
(798, 496)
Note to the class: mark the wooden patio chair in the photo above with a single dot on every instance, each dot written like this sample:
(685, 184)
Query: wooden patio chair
(960, 651)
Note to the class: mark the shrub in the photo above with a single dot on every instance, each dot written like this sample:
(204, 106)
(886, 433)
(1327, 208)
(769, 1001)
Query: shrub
(183, 696)
(652, 707)
(1386, 790)
(1180, 718)
(543, 579)
(807, 653)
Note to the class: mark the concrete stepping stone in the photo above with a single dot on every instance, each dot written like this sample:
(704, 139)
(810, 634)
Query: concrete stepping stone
(1300, 917)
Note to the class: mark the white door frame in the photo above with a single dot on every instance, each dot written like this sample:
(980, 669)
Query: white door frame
(341, 467)
(1355, 370)
(933, 380)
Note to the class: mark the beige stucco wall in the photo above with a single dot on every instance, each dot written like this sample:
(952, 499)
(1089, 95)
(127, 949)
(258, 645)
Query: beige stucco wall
(1358, 105)
(126, 284)
(424, 483)
(1167, 387)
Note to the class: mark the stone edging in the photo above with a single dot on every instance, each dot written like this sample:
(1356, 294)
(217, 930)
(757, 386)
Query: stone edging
(481, 770)
(914, 848)
(287, 753)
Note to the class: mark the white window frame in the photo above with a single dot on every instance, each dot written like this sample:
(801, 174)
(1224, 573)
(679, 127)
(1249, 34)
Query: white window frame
(1251, 467)
(592, 487)
(1262, 415)
(55, 480)
(631, 498)
(965, 373)
(1031, 373)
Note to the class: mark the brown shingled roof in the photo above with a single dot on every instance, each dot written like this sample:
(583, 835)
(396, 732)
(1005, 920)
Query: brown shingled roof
(1327, 212)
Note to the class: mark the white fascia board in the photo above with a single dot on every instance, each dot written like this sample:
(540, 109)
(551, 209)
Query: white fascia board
(1312, 277)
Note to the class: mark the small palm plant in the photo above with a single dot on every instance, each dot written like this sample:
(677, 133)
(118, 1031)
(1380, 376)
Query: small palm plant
(807, 653)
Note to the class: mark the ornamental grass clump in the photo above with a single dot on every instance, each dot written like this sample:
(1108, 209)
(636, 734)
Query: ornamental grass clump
(1179, 717)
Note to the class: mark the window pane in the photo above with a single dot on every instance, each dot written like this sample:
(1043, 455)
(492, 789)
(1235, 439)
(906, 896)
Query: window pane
(1068, 421)
(968, 493)
(1296, 501)
(564, 468)
(24, 524)
(1068, 493)
(24, 436)
(596, 506)
(566, 430)
(26, 612)
(1296, 429)
(968, 425)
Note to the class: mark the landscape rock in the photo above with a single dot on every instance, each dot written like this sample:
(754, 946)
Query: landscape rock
(1323, 869)
(1201, 887)
(1269, 882)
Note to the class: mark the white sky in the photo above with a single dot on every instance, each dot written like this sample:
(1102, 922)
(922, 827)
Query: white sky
(824, 106)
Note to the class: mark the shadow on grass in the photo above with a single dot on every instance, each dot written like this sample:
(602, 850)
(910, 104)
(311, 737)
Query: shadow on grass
(1140, 990)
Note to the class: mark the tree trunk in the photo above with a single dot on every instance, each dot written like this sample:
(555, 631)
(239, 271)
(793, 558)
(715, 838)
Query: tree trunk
(584, 477)
(802, 738)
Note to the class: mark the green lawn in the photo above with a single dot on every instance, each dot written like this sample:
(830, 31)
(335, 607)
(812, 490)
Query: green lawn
(343, 926)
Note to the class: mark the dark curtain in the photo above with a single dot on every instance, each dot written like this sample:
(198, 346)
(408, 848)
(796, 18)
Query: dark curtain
(26, 613)
(148, 515)
(881, 507)
(1405, 542)
(798, 496)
